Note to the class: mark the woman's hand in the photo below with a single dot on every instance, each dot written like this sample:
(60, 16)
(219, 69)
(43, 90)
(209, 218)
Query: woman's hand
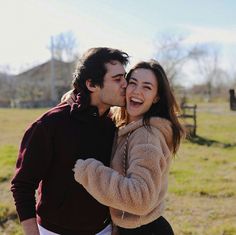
(80, 166)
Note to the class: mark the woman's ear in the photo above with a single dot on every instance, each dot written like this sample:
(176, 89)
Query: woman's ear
(156, 99)
(91, 87)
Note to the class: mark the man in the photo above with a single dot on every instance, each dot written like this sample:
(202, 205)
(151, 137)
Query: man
(56, 140)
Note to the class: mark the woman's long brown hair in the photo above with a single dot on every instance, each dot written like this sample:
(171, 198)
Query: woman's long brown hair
(166, 107)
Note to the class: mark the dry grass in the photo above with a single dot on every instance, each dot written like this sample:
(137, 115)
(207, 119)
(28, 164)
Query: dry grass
(13, 123)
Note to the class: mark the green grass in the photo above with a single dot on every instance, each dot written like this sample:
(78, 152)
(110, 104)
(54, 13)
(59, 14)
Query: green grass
(13, 123)
(202, 185)
(202, 170)
(7, 160)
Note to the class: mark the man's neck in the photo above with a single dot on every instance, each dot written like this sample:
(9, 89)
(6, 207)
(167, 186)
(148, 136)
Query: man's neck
(101, 107)
(102, 110)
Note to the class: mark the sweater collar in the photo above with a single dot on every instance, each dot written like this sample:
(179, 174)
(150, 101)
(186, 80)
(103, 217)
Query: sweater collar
(82, 111)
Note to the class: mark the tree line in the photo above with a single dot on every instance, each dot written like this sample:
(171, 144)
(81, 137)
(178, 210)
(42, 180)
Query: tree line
(179, 58)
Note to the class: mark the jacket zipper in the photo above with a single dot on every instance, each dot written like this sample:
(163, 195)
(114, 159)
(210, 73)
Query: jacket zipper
(123, 215)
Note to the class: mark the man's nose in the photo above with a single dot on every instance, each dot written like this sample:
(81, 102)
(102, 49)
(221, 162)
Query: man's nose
(124, 83)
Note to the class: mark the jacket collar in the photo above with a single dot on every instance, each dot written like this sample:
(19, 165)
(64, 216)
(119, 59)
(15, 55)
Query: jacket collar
(83, 112)
(162, 124)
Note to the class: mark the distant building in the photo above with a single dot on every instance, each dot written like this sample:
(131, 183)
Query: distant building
(33, 87)
(6, 89)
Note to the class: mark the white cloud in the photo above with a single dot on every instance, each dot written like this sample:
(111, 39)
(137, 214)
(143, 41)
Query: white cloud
(217, 35)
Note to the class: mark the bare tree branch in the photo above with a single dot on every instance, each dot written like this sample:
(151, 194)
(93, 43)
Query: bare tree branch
(173, 53)
(65, 46)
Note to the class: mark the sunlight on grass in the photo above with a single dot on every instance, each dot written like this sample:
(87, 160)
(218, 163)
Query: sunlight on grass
(225, 228)
(201, 197)
(14, 122)
(200, 170)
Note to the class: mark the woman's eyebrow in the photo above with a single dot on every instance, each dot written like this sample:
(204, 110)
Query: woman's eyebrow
(148, 83)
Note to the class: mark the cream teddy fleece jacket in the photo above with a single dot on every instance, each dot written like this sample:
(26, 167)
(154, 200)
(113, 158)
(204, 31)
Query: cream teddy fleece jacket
(137, 198)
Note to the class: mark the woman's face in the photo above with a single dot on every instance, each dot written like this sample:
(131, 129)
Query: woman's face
(141, 93)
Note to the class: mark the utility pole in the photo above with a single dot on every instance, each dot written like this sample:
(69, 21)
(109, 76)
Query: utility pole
(52, 84)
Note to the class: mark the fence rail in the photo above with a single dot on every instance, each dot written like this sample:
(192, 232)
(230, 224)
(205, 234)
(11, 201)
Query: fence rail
(189, 112)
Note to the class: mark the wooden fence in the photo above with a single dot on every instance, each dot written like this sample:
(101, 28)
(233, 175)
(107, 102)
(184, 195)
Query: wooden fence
(189, 114)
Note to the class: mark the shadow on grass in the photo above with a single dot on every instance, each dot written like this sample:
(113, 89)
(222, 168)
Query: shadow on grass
(209, 142)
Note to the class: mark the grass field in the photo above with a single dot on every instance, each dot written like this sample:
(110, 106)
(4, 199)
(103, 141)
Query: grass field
(202, 185)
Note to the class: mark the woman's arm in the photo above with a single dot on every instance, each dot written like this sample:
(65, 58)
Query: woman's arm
(137, 192)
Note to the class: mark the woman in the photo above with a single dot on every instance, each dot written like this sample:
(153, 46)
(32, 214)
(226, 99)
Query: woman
(149, 134)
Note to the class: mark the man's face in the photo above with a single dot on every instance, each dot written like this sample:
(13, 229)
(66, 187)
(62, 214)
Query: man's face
(113, 91)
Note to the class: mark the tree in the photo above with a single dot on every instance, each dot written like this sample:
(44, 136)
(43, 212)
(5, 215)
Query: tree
(209, 67)
(64, 46)
(173, 53)
(7, 85)
(233, 77)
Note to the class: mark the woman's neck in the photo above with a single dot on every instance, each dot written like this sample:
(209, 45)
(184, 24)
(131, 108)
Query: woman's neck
(133, 118)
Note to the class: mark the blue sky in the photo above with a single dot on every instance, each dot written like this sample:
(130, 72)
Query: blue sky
(133, 26)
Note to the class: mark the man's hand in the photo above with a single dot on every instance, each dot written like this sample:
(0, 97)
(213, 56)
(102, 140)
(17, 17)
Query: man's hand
(30, 227)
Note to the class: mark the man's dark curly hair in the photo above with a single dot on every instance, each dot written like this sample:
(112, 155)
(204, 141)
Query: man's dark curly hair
(92, 66)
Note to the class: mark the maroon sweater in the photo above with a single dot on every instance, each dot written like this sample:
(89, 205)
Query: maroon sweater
(48, 152)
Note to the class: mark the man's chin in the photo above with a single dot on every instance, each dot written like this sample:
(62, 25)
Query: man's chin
(122, 104)
(119, 105)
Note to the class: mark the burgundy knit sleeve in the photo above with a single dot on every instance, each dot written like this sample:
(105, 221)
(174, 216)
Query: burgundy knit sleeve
(34, 158)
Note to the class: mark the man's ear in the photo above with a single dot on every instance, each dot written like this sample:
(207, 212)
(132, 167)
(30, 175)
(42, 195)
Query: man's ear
(91, 87)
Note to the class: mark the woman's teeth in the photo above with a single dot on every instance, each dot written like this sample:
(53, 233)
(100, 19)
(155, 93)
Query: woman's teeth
(136, 100)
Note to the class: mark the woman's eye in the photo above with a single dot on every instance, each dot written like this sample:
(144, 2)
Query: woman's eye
(131, 82)
(147, 87)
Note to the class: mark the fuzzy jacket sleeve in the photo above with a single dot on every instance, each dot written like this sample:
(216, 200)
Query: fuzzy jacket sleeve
(136, 193)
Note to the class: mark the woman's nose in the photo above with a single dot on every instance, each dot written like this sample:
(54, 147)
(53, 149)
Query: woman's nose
(136, 90)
